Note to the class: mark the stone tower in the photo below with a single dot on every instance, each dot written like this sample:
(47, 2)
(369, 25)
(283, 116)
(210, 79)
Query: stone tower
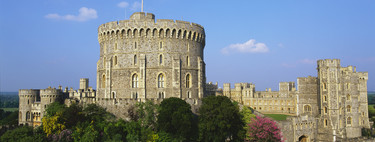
(141, 59)
(342, 101)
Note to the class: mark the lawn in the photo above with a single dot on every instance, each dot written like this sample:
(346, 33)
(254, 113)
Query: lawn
(10, 109)
(277, 117)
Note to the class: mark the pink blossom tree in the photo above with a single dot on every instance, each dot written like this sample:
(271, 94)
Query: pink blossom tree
(263, 129)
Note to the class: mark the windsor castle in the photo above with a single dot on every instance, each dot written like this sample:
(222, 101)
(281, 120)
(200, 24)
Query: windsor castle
(144, 59)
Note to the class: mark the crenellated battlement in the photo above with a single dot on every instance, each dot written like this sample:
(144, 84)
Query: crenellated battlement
(140, 27)
(28, 92)
(50, 91)
(329, 63)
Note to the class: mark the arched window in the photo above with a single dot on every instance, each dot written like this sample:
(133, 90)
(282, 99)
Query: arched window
(135, 81)
(115, 60)
(113, 95)
(348, 108)
(325, 110)
(349, 121)
(28, 101)
(160, 59)
(161, 95)
(103, 81)
(135, 59)
(187, 61)
(28, 116)
(348, 97)
(188, 95)
(161, 81)
(307, 108)
(188, 81)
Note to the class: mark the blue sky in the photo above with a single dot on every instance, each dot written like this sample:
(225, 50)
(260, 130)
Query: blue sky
(54, 42)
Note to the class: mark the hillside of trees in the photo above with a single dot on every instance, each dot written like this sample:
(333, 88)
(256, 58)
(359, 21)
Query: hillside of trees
(219, 119)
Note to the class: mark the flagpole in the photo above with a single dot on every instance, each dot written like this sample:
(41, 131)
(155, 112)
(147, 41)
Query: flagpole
(142, 6)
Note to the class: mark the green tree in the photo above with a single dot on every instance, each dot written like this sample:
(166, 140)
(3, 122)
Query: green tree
(72, 115)
(53, 124)
(371, 111)
(9, 118)
(53, 108)
(97, 114)
(19, 134)
(219, 120)
(247, 115)
(146, 114)
(175, 117)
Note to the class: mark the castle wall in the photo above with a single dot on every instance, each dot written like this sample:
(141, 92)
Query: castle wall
(145, 48)
(281, 102)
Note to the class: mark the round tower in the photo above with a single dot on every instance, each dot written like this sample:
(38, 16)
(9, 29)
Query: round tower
(27, 97)
(48, 96)
(141, 58)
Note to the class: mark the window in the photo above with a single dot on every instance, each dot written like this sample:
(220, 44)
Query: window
(307, 108)
(325, 122)
(135, 81)
(135, 59)
(28, 116)
(161, 81)
(103, 81)
(325, 98)
(324, 86)
(160, 59)
(349, 121)
(188, 95)
(161, 95)
(188, 81)
(348, 108)
(348, 97)
(135, 45)
(113, 95)
(115, 60)
(187, 61)
(135, 95)
(161, 45)
(325, 110)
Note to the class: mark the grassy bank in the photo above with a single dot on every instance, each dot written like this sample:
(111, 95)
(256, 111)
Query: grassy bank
(277, 117)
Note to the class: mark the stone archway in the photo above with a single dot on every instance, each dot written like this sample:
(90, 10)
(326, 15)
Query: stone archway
(303, 138)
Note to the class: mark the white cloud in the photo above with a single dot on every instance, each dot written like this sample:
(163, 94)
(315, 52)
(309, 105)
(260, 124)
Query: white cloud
(249, 46)
(123, 4)
(84, 15)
